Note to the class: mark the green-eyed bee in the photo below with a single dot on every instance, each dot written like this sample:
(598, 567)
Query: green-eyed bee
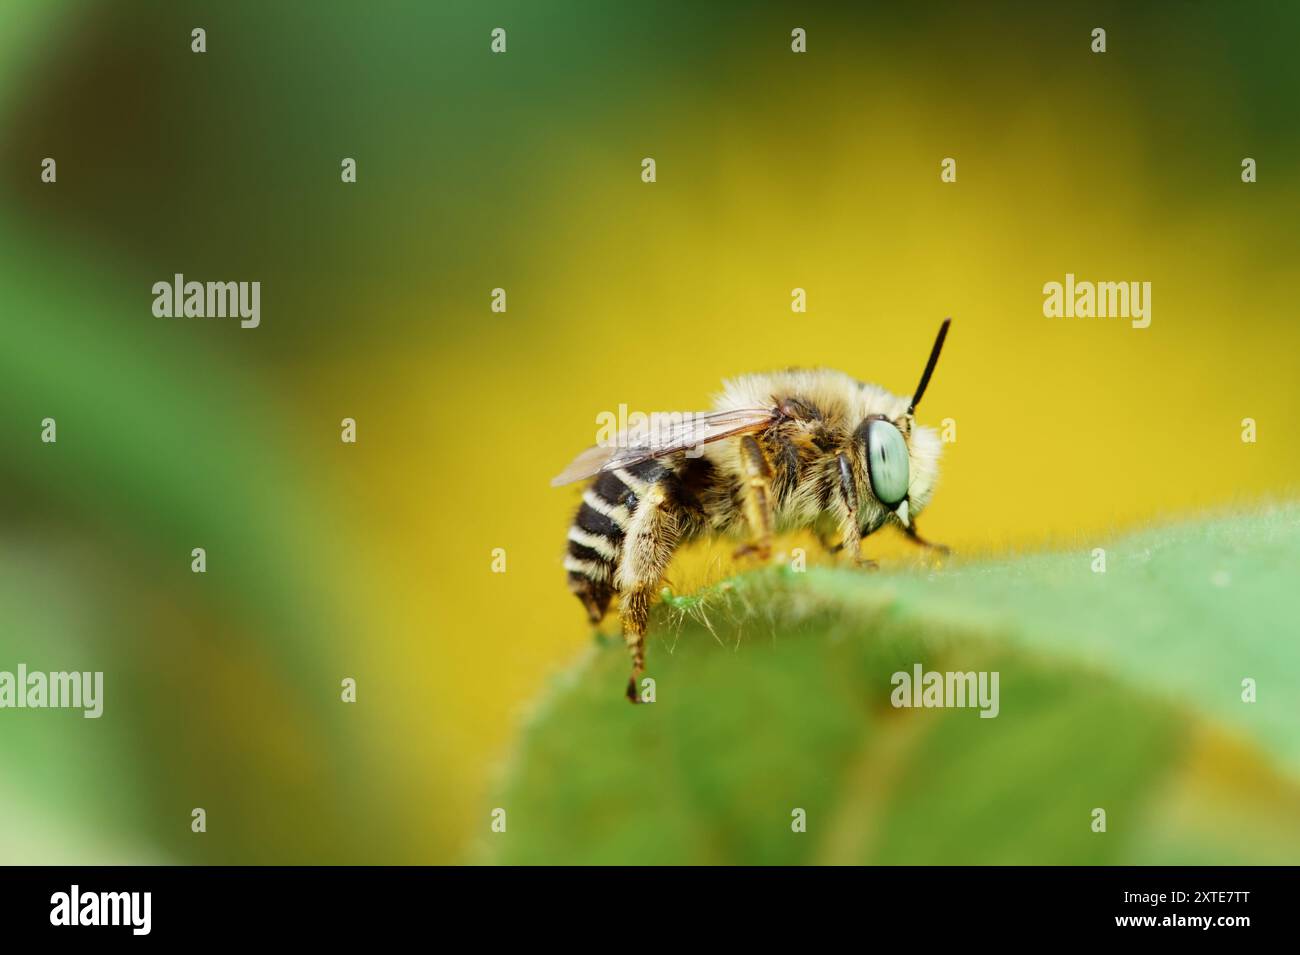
(780, 451)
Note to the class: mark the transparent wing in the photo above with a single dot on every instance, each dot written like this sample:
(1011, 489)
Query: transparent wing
(665, 434)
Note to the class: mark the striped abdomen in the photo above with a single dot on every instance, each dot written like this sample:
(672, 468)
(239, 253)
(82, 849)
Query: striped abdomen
(596, 537)
(596, 540)
(609, 504)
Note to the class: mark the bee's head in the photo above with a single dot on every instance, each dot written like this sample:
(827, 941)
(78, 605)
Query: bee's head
(899, 457)
(901, 462)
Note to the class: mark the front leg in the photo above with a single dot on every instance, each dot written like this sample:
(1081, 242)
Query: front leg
(851, 543)
(910, 531)
(850, 533)
(757, 473)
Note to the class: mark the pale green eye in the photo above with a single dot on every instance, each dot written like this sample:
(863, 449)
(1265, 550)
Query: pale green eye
(887, 462)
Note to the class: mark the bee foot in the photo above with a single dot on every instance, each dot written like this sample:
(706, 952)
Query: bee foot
(941, 550)
(762, 552)
(829, 547)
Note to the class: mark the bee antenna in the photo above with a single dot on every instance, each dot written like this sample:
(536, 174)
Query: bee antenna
(929, 365)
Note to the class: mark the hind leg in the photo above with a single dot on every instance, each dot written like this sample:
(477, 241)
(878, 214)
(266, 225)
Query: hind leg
(652, 537)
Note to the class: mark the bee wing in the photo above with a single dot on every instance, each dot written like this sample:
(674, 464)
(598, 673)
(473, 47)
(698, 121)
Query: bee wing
(683, 432)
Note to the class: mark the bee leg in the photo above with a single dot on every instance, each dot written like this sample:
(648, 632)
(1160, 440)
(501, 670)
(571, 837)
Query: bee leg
(850, 533)
(652, 537)
(757, 471)
(910, 531)
(635, 609)
(852, 545)
(830, 546)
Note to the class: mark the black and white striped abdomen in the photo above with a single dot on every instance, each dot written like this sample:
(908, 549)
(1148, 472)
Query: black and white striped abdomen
(595, 544)
(596, 537)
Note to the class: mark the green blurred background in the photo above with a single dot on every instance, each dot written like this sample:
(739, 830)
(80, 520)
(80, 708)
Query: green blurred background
(522, 171)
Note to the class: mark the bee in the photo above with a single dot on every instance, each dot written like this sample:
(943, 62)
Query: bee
(782, 451)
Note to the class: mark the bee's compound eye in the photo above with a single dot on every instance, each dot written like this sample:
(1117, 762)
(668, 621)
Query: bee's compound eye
(887, 463)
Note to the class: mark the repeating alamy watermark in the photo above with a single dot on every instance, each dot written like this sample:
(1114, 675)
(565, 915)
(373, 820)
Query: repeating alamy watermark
(1073, 299)
(38, 689)
(934, 688)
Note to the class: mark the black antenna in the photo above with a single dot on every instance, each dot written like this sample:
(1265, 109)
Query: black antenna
(929, 365)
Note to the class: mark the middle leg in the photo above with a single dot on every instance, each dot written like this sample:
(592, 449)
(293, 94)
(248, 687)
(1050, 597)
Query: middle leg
(757, 473)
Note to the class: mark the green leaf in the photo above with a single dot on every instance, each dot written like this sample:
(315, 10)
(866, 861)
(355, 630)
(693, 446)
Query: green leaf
(1119, 691)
